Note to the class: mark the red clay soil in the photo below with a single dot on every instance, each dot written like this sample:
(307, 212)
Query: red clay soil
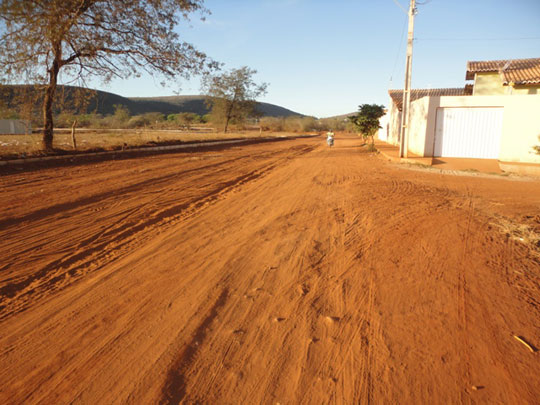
(284, 272)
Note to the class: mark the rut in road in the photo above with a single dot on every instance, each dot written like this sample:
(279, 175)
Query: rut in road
(125, 233)
(310, 275)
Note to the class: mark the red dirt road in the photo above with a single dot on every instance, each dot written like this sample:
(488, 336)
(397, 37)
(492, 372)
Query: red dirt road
(283, 272)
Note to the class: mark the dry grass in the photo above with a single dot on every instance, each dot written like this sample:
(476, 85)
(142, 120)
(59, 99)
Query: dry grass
(28, 145)
(521, 233)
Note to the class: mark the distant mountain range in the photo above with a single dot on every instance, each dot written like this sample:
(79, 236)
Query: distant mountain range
(102, 102)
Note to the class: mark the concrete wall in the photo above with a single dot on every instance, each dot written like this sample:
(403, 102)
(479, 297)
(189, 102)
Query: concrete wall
(420, 138)
(384, 127)
(15, 127)
(394, 123)
(520, 132)
(488, 84)
(521, 129)
(520, 89)
(491, 84)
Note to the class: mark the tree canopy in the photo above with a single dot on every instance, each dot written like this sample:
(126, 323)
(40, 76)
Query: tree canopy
(232, 94)
(367, 119)
(101, 38)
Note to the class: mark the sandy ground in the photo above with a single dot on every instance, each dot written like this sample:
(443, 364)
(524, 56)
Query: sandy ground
(282, 272)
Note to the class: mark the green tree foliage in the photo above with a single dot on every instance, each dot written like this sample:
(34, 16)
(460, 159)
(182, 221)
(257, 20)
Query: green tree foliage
(367, 120)
(290, 124)
(231, 95)
(185, 119)
(85, 38)
(336, 124)
(121, 113)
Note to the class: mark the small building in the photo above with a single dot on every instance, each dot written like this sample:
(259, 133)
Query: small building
(396, 106)
(495, 117)
(15, 127)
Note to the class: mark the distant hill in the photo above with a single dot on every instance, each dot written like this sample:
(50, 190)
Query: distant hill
(342, 116)
(103, 102)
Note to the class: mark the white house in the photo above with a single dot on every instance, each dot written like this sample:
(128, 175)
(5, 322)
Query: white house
(15, 127)
(497, 117)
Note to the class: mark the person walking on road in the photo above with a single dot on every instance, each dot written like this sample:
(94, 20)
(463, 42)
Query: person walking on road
(330, 138)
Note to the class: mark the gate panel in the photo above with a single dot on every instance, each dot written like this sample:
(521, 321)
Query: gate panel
(470, 132)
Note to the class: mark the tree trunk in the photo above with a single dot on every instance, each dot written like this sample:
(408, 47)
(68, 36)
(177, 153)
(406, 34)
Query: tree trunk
(48, 125)
(229, 113)
(73, 140)
(228, 116)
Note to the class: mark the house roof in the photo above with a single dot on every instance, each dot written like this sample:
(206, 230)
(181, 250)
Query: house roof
(397, 95)
(516, 71)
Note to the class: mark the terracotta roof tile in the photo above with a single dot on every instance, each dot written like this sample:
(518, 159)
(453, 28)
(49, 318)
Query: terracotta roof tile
(397, 95)
(517, 71)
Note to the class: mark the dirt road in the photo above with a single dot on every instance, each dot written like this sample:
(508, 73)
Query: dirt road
(283, 272)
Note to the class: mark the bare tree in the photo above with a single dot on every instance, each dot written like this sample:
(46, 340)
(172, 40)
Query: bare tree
(103, 38)
(232, 94)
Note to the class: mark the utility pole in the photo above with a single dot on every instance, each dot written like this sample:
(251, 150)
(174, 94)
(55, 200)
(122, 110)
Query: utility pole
(405, 114)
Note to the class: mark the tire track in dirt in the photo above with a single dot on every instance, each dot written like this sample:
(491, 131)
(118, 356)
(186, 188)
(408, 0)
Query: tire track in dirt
(175, 386)
(59, 208)
(120, 240)
(321, 316)
(463, 332)
(330, 281)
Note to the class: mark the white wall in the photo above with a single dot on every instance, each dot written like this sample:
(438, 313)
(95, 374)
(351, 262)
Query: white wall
(385, 126)
(15, 127)
(394, 123)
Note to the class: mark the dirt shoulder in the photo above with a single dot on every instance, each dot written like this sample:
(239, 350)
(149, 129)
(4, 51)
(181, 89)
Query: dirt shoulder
(279, 272)
(92, 141)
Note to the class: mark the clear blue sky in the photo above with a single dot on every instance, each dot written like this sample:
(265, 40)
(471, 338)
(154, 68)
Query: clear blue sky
(324, 58)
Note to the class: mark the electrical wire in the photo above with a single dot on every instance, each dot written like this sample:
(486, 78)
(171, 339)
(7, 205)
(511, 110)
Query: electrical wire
(401, 7)
(399, 49)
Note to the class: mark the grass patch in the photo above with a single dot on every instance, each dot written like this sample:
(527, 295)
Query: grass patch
(371, 148)
(419, 165)
(520, 233)
(16, 146)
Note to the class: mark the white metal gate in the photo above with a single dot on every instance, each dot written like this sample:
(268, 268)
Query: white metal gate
(468, 132)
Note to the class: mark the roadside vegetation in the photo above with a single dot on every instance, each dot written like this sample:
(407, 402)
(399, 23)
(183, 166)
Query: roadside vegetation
(366, 121)
(90, 140)
(88, 132)
(305, 124)
(121, 118)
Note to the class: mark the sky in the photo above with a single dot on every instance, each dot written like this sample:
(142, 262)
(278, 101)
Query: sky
(325, 58)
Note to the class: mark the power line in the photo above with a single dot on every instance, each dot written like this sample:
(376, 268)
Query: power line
(399, 49)
(401, 7)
